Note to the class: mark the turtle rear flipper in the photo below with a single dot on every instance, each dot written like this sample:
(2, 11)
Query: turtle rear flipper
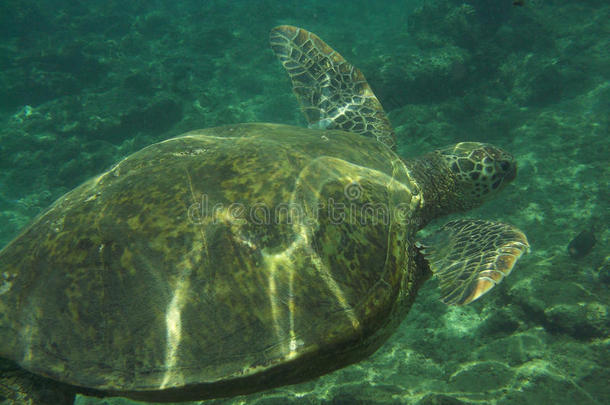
(20, 387)
(332, 93)
(471, 256)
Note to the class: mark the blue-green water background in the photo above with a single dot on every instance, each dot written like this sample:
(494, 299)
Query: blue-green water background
(83, 84)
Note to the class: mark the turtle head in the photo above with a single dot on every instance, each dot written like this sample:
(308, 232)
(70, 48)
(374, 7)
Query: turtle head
(481, 170)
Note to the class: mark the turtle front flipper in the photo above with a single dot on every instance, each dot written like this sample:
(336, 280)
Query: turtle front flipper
(471, 256)
(332, 93)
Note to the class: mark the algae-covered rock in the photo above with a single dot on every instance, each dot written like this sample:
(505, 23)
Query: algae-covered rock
(581, 320)
(485, 375)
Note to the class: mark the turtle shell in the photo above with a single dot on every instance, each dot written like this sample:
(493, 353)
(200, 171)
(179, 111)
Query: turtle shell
(224, 261)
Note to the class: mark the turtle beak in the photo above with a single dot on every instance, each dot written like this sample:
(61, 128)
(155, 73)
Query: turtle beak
(512, 173)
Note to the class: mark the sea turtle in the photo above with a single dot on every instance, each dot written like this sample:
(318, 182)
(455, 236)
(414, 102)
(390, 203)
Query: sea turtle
(234, 259)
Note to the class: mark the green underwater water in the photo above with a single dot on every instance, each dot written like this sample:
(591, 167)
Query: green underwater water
(84, 84)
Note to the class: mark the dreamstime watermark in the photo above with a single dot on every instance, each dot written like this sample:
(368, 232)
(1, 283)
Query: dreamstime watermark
(351, 209)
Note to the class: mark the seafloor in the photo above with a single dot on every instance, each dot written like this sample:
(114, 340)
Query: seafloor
(86, 83)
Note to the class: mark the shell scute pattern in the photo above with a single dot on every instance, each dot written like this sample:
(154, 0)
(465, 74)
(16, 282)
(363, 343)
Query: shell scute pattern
(150, 249)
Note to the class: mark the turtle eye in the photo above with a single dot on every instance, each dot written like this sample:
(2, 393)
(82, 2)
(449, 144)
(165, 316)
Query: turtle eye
(504, 165)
